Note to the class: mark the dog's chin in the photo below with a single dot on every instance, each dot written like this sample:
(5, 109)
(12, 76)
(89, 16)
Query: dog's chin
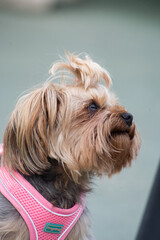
(120, 141)
(120, 135)
(122, 145)
(124, 132)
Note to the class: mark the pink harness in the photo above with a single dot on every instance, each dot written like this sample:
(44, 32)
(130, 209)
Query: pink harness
(44, 221)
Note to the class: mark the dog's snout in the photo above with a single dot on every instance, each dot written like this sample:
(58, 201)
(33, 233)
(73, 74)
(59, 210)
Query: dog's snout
(128, 118)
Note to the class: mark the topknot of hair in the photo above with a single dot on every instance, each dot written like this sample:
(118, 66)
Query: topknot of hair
(87, 73)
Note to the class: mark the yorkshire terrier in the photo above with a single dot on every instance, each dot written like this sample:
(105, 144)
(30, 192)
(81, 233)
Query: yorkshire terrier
(58, 137)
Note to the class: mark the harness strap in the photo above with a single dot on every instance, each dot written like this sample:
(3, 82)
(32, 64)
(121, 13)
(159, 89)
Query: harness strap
(44, 221)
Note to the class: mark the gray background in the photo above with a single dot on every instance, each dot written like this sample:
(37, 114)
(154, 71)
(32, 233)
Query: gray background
(125, 39)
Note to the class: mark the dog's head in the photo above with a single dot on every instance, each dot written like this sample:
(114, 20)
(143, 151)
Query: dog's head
(78, 125)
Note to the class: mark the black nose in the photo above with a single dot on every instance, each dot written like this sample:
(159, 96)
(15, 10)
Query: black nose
(128, 118)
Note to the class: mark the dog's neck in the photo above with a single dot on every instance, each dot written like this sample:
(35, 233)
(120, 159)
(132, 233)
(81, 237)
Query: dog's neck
(58, 187)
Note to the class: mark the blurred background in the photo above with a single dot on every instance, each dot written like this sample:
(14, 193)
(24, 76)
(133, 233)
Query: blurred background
(122, 36)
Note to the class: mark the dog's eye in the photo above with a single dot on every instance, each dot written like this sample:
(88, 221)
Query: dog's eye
(93, 107)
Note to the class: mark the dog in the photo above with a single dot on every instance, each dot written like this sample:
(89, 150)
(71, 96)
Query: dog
(58, 138)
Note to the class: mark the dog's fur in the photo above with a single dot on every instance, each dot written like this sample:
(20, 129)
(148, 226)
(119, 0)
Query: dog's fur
(60, 135)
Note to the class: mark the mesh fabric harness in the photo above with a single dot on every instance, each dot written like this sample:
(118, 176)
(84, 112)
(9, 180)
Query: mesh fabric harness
(44, 221)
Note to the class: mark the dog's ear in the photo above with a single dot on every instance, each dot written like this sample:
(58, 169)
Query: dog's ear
(26, 138)
(87, 73)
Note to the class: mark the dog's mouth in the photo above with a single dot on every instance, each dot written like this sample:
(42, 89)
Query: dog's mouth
(115, 133)
(128, 132)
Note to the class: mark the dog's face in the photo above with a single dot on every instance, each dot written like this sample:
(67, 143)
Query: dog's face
(80, 125)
